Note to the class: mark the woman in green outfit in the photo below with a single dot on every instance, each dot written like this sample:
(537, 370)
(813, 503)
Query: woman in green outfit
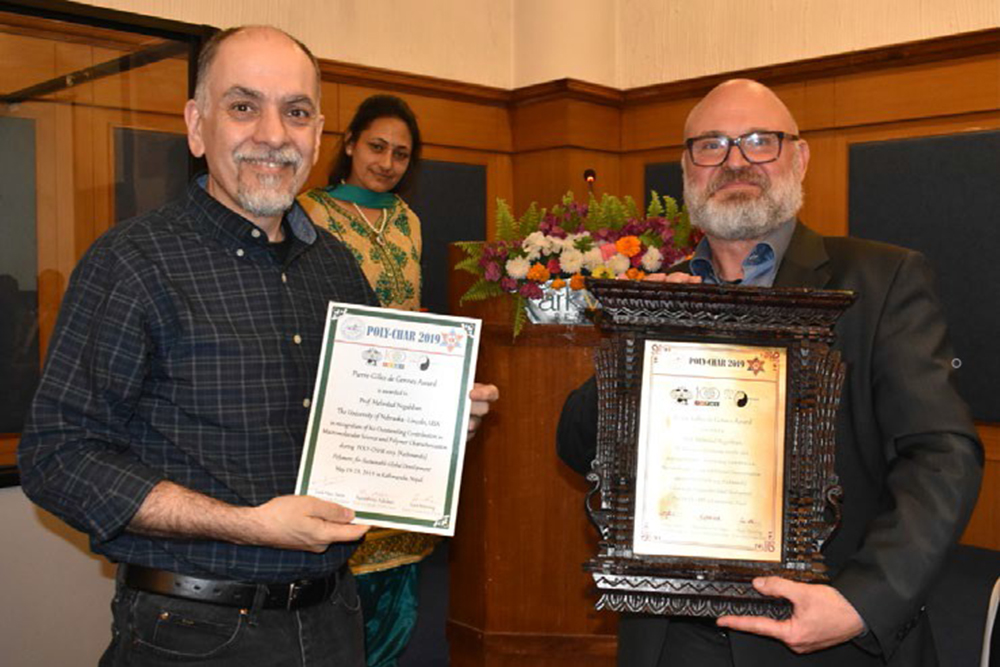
(361, 206)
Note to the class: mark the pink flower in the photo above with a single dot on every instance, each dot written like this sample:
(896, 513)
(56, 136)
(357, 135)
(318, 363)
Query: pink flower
(531, 291)
(608, 250)
(508, 284)
(553, 265)
(492, 272)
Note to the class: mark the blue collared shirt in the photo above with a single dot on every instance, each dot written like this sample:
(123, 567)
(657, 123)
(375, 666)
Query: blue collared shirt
(759, 267)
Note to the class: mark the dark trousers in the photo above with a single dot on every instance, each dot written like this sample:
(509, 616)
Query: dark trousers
(654, 641)
(152, 630)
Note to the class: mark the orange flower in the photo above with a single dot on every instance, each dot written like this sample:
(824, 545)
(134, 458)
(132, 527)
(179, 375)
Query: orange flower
(538, 273)
(576, 282)
(634, 274)
(628, 246)
(558, 283)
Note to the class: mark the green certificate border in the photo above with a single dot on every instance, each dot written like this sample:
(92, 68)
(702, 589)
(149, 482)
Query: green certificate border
(335, 312)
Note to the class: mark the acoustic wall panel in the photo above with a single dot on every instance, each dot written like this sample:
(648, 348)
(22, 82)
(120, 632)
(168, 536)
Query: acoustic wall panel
(450, 199)
(941, 196)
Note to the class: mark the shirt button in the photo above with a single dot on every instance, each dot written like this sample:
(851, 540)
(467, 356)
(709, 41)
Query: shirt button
(239, 253)
(306, 403)
(255, 233)
(297, 339)
(284, 277)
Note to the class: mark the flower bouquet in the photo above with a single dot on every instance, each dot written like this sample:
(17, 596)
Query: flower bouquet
(541, 259)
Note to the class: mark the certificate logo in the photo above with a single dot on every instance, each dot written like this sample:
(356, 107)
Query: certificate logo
(756, 366)
(452, 340)
(352, 328)
(395, 360)
(707, 397)
(371, 356)
(681, 395)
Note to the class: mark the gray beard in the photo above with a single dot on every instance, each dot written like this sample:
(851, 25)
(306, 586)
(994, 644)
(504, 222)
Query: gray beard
(266, 200)
(741, 218)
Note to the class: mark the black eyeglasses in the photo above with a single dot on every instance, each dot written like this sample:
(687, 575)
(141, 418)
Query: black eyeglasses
(711, 150)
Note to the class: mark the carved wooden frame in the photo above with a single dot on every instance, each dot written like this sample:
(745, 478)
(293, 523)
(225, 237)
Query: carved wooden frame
(801, 321)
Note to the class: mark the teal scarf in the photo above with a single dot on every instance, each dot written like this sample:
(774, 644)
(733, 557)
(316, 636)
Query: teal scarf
(362, 196)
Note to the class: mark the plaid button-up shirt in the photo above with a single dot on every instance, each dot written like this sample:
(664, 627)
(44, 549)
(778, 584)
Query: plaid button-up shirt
(186, 351)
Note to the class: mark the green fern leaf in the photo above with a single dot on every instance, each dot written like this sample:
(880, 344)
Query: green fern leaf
(670, 208)
(520, 315)
(507, 228)
(481, 290)
(655, 209)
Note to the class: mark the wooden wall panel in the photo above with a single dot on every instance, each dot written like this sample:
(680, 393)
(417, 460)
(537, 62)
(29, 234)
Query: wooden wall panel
(35, 58)
(937, 89)
(160, 87)
(329, 144)
(559, 123)
(655, 125)
(545, 176)
(633, 170)
(443, 121)
(984, 527)
(825, 206)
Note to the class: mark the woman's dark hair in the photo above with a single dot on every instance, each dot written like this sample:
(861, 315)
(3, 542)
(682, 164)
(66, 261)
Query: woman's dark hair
(373, 108)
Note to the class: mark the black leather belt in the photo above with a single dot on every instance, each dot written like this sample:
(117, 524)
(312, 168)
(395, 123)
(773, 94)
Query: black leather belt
(294, 595)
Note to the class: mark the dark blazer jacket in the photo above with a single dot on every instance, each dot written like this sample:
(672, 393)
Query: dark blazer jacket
(908, 455)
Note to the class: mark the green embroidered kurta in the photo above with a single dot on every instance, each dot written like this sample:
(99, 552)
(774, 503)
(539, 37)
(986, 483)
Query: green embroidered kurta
(392, 268)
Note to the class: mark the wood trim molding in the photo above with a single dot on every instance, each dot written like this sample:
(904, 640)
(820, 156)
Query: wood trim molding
(962, 45)
(334, 71)
(567, 89)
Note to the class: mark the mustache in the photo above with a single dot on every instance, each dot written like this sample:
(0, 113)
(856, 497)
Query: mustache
(727, 175)
(286, 155)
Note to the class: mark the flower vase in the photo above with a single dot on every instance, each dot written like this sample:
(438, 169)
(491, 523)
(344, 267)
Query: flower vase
(559, 306)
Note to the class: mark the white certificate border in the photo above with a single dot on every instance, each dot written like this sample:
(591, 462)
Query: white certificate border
(642, 428)
(444, 525)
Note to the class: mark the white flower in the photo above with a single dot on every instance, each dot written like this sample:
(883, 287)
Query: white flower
(517, 268)
(593, 259)
(536, 244)
(619, 264)
(652, 260)
(569, 243)
(571, 260)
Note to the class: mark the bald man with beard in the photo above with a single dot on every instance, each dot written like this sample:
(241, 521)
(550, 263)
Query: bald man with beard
(908, 455)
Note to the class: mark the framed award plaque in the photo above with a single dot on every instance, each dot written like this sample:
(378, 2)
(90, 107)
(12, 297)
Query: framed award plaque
(715, 452)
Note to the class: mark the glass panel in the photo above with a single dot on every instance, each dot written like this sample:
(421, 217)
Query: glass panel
(18, 272)
(92, 132)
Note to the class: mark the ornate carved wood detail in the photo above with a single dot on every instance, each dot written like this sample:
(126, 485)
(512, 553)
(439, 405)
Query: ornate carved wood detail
(797, 319)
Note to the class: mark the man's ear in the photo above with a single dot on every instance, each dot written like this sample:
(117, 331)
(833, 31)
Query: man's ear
(319, 136)
(193, 118)
(803, 147)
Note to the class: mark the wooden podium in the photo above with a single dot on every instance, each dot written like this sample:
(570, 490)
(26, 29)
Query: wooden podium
(519, 595)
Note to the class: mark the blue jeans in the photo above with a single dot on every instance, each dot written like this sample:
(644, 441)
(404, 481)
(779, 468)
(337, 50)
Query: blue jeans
(152, 630)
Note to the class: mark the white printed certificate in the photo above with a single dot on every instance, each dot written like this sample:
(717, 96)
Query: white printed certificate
(389, 415)
(711, 451)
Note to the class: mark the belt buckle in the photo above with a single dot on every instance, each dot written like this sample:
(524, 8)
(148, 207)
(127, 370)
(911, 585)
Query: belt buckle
(293, 594)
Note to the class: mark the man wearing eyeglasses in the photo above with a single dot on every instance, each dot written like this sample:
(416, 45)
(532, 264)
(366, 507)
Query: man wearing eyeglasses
(908, 456)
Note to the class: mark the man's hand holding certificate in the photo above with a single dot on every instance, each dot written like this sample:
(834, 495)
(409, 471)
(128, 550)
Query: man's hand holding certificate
(390, 415)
